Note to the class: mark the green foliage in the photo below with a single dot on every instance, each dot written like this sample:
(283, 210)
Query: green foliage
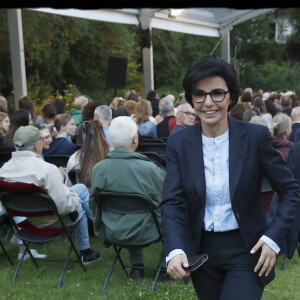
(262, 63)
(63, 51)
(270, 76)
(173, 53)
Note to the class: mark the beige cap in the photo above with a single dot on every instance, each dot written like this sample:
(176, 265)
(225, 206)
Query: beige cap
(27, 135)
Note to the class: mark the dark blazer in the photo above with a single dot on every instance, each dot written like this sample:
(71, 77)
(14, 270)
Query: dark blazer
(293, 161)
(251, 155)
(295, 126)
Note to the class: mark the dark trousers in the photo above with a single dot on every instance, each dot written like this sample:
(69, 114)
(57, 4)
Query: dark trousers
(228, 274)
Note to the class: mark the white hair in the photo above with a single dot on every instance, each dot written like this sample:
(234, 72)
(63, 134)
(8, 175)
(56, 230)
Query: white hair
(165, 106)
(289, 93)
(179, 108)
(296, 111)
(259, 120)
(249, 90)
(171, 97)
(2, 99)
(80, 101)
(280, 124)
(103, 112)
(266, 96)
(121, 131)
(18, 147)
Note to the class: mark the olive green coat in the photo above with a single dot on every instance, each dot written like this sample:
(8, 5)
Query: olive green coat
(129, 172)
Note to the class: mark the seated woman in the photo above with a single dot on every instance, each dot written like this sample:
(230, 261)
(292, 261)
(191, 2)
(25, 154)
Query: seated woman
(94, 149)
(18, 118)
(281, 130)
(65, 126)
(26, 102)
(4, 125)
(143, 113)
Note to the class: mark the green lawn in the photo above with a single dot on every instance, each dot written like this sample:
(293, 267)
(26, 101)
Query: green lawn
(33, 283)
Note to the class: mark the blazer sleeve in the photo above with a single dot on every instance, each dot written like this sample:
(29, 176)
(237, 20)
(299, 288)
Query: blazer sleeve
(282, 181)
(173, 207)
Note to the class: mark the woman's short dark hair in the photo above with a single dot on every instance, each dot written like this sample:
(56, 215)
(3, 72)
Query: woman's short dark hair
(210, 66)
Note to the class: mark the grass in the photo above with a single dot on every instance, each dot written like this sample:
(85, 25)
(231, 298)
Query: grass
(33, 283)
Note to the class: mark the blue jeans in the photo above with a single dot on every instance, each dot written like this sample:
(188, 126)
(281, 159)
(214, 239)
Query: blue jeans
(84, 212)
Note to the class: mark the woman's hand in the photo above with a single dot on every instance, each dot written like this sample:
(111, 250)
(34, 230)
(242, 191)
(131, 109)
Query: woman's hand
(63, 172)
(175, 267)
(266, 260)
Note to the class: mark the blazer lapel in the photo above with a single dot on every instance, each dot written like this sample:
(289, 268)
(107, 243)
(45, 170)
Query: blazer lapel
(194, 154)
(238, 146)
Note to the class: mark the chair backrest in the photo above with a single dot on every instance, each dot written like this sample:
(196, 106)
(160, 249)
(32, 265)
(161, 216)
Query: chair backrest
(150, 139)
(153, 156)
(29, 200)
(126, 203)
(28, 205)
(159, 148)
(58, 160)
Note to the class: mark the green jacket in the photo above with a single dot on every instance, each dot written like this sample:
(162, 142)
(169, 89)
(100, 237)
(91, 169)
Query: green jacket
(77, 115)
(131, 172)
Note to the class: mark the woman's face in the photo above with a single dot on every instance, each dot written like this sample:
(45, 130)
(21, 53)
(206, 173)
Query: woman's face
(46, 140)
(30, 120)
(212, 114)
(70, 127)
(5, 124)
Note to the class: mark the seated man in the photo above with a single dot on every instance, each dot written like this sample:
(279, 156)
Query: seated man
(125, 170)
(166, 110)
(26, 166)
(185, 117)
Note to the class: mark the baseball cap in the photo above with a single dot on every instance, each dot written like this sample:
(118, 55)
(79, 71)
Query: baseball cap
(27, 135)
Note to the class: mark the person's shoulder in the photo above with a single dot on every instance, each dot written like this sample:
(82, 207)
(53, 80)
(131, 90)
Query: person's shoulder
(182, 134)
(295, 146)
(250, 127)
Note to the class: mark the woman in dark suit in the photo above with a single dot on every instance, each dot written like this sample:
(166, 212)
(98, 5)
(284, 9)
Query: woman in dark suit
(212, 192)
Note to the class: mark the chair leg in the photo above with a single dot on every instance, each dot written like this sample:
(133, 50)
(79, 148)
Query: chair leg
(157, 272)
(284, 262)
(110, 271)
(21, 260)
(6, 254)
(75, 250)
(64, 267)
(118, 251)
(32, 258)
(7, 233)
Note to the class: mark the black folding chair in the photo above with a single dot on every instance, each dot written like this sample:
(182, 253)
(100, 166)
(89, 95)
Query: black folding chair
(150, 139)
(129, 203)
(159, 148)
(154, 157)
(21, 199)
(58, 160)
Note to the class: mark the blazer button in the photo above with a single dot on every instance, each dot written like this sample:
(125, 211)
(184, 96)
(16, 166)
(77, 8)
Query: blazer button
(237, 215)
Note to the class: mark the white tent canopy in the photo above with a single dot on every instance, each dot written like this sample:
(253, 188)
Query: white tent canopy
(213, 22)
(199, 21)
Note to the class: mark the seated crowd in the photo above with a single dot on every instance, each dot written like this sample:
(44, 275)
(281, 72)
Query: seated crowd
(102, 143)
